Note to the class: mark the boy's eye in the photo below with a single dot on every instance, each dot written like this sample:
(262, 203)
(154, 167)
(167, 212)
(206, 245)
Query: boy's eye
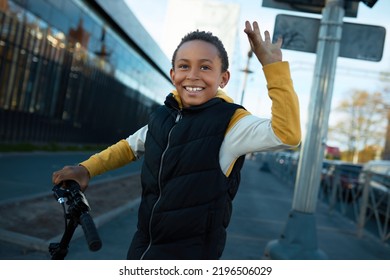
(182, 66)
(205, 67)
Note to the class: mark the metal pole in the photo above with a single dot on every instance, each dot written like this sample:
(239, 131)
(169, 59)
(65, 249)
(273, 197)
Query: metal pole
(246, 71)
(299, 239)
(364, 205)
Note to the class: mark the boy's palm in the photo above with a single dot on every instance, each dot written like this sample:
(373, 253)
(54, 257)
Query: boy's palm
(265, 50)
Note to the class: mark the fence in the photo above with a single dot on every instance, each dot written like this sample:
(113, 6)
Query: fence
(358, 193)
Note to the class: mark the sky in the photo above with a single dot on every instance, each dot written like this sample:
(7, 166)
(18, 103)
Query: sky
(351, 74)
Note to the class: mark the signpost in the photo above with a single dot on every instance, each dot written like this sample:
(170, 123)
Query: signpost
(299, 237)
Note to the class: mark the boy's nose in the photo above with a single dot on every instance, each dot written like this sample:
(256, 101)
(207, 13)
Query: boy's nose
(193, 74)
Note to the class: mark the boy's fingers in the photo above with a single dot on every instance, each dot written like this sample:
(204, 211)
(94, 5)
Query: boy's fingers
(54, 178)
(61, 175)
(267, 36)
(248, 28)
(279, 42)
(256, 28)
(57, 178)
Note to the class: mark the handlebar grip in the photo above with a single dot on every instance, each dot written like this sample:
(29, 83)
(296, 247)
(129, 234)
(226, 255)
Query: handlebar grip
(90, 232)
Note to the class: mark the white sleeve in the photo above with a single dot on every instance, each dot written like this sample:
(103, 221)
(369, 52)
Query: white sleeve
(248, 135)
(137, 141)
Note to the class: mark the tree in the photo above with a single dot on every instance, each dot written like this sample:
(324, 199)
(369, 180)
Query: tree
(361, 123)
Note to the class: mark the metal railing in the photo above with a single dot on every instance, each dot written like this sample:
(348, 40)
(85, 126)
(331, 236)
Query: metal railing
(340, 188)
(375, 204)
(360, 195)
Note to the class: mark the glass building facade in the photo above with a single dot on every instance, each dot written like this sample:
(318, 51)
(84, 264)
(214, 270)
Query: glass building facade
(71, 72)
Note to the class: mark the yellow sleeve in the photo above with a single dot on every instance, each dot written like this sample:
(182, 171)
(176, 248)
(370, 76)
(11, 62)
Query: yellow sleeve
(285, 105)
(111, 158)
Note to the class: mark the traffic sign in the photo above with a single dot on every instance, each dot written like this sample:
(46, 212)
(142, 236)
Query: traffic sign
(310, 6)
(358, 41)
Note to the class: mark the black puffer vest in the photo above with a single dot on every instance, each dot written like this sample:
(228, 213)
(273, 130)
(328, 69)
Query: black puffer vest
(186, 199)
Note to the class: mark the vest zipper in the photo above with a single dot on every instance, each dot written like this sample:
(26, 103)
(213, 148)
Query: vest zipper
(178, 118)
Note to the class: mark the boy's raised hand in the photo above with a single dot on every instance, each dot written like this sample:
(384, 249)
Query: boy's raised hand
(265, 50)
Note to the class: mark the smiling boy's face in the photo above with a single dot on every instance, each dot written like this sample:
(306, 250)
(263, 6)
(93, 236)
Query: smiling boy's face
(197, 72)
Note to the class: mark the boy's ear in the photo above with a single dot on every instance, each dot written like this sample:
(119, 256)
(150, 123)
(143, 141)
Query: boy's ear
(224, 79)
(172, 74)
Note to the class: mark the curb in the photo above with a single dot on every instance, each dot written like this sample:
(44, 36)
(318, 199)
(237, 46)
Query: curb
(39, 244)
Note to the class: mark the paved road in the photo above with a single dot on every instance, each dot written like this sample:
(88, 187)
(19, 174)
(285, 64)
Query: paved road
(29, 174)
(260, 213)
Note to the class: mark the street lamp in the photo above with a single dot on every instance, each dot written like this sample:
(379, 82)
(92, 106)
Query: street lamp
(246, 72)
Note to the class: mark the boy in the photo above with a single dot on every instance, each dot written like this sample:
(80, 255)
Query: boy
(194, 147)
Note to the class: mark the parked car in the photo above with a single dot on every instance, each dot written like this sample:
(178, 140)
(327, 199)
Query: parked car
(285, 162)
(342, 174)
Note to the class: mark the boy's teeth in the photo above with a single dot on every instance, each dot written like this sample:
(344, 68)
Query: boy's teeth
(194, 88)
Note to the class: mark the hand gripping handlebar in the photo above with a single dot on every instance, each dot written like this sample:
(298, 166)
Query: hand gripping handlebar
(77, 213)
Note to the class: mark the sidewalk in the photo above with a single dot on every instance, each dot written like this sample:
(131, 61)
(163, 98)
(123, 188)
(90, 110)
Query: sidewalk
(260, 213)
